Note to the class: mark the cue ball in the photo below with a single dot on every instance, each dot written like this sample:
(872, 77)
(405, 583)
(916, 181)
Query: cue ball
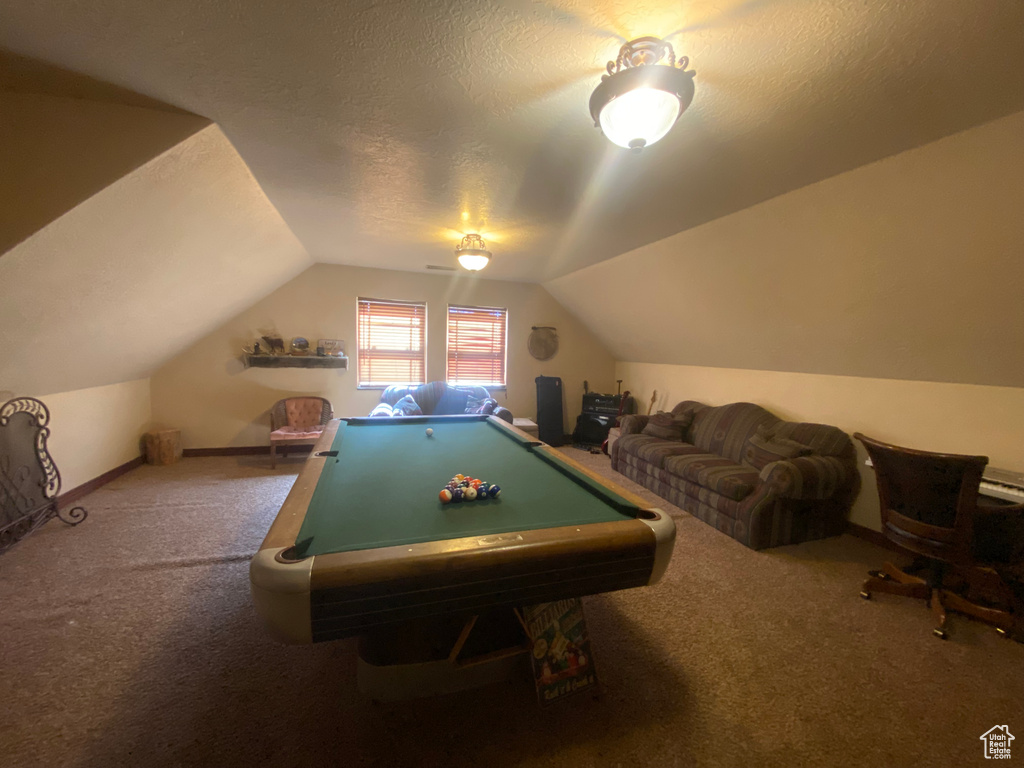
(429, 431)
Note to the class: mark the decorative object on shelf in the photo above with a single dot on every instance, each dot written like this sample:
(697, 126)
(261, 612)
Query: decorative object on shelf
(29, 480)
(643, 94)
(472, 252)
(543, 342)
(299, 346)
(275, 344)
(332, 347)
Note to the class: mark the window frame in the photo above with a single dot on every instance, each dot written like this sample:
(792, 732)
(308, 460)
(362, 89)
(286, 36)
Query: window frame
(359, 351)
(448, 341)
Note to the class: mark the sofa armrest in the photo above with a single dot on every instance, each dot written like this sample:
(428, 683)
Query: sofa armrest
(806, 477)
(633, 424)
(502, 413)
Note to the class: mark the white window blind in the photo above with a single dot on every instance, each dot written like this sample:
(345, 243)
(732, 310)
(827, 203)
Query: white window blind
(392, 342)
(476, 345)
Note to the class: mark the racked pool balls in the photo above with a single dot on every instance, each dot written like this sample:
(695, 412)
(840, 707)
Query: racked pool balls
(445, 496)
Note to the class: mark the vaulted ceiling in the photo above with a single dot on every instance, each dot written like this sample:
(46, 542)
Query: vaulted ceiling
(382, 130)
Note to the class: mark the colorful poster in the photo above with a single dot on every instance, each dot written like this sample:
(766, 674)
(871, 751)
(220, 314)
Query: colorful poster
(562, 661)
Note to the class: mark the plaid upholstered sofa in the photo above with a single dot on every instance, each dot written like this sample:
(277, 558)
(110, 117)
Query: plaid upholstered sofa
(759, 479)
(438, 398)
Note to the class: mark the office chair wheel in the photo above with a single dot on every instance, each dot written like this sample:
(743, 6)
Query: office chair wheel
(865, 595)
(941, 634)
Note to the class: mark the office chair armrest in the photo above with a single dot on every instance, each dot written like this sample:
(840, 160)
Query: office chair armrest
(633, 424)
(806, 477)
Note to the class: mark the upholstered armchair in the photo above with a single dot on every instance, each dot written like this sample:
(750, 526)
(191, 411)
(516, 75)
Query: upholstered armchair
(438, 398)
(297, 421)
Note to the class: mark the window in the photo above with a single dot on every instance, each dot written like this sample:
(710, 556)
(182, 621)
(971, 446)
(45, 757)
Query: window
(392, 342)
(476, 345)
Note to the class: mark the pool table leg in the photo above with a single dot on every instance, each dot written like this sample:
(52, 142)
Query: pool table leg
(280, 591)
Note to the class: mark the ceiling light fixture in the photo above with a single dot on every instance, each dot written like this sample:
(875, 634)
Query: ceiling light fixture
(640, 98)
(472, 252)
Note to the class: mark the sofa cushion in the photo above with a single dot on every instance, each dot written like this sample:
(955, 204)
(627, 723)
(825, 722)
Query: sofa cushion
(452, 401)
(649, 453)
(731, 480)
(480, 405)
(724, 430)
(407, 407)
(666, 426)
(761, 451)
(824, 440)
(381, 409)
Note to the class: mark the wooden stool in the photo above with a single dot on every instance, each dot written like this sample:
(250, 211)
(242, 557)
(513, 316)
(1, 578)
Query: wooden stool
(163, 446)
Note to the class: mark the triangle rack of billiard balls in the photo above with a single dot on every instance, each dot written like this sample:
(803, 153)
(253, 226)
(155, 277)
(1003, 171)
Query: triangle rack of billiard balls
(465, 488)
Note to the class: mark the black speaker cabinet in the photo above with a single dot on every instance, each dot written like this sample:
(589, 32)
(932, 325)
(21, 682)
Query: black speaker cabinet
(549, 410)
(592, 428)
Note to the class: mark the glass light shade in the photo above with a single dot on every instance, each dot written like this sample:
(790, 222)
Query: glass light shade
(474, 262)
(639, 117)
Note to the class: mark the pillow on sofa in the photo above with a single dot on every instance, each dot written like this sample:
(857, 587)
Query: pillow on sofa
(480, 405)
(761, 451)
(407, 407)
(666, 426)
(381, 409)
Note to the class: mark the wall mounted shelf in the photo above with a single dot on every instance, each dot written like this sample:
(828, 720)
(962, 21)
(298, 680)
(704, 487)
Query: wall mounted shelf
(295, 361)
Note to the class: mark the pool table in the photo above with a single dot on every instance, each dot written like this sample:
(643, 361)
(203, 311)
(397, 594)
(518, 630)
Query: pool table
(363, 540)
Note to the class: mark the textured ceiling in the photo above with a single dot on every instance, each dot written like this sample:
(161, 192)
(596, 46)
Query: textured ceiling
(381, 130)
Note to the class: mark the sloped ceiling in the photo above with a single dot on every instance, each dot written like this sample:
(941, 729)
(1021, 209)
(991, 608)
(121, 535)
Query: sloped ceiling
(56, 152)
(141, 269)
(909, 268)
(382, 130)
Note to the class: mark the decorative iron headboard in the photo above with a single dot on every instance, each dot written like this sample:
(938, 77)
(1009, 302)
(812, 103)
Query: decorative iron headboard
(29, 480)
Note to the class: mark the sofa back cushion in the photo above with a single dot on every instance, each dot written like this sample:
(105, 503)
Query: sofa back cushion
(689, 408)
(822, 439)
(667, 426)
(760, 451)
(724, 430)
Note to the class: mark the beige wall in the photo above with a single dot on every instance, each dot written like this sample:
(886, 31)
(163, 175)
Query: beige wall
(910, 268)
(207, 393)
(95, 430)
(956, 418)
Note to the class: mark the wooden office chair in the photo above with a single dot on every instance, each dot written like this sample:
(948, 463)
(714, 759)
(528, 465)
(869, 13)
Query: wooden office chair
(930, 507)
(297, 421)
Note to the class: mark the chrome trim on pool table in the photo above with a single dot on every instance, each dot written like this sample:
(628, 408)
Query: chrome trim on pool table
(280, 591)
(664, 528)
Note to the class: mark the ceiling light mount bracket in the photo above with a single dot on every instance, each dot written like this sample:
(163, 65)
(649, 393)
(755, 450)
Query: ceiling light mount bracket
(644, 51)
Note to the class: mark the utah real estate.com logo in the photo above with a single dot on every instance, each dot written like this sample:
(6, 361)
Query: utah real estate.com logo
(997, 742)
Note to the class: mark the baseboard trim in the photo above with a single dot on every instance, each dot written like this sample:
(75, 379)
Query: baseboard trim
(66, 499)
(870, 534)
(242, 450)
(238, 450)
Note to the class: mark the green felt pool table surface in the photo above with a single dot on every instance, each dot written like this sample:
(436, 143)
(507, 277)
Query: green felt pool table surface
(382, 488)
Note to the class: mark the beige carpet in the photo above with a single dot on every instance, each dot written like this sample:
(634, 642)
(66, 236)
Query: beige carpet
(130, 641)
